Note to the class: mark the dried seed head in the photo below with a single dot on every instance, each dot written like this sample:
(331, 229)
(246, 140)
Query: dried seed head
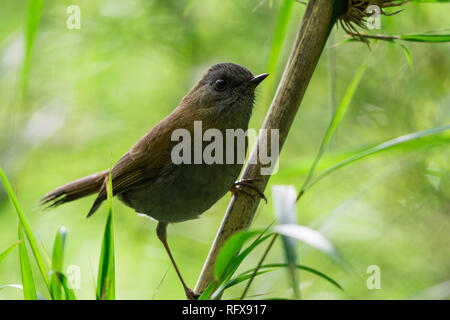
(357, 13)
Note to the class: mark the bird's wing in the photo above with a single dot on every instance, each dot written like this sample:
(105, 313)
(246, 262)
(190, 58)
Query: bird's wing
(143, 162)
(148, 158)
(127, 173)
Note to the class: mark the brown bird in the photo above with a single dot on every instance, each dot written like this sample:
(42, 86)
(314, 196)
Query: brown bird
(147, 180)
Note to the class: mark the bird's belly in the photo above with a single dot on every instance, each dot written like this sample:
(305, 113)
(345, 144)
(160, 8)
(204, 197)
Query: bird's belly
(184, 193)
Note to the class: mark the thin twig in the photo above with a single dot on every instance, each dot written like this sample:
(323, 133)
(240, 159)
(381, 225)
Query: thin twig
(259, 265)
(375, 36)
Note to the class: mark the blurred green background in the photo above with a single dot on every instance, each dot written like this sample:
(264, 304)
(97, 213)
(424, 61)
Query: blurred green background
(93, 92)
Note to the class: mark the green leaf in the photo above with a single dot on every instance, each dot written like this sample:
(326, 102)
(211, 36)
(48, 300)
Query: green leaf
(230, 250)
(279, 34)
(20, 287)
(278, 38)
(17, 286)
(68, 292)
(243, 277)
(106, 268)
(62, 280)
(261, 260)
(390, 144)
(309, 236)
(5, 252)
(234, 260)
(57, 263)
(284, 199)
(208, 291)
(425, 37)
(274, 266)
(407, 54)
(430, 0)
(33, 16)
(337, 117)
(28, 287)
(48, 261)
(26, 228)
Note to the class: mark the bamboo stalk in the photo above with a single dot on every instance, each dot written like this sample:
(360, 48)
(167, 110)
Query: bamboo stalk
(297, 74)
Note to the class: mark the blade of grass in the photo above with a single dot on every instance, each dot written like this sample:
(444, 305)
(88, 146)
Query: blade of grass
(26, 227)
(425, 37)
(309, 236)
(68, 292)
(28, 287)
(390, 144)
(241, 278)
(5, 252)
(430, 0)
(230, 250)
(33, 16)
(278, 38)
(20, 287)
(228, 259)
(62, 280)
(337, 117)
(284, 199)
(256, 272)
(407, 55)
(234, 264)
(57, 263)
(106, 269)
(274, 266)
(47, 260)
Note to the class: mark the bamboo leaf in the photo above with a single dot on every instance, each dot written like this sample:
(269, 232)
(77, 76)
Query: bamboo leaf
(279, 34)
(57, 263)
(274, 266)
(425, 37)
(62, 280)
(243, 277)
(407, 54)
(284, 199)
(235, 260)
(68, 292)
(106, 269)
(208, 291)
(28, 287)
(5, 252)
(20, 287)
(430, 0)
(33, 16)
(278, 38)
(261, 260)
(337, 117)
(230, 250)
(309, 236)
(26, 228)
(390, 144)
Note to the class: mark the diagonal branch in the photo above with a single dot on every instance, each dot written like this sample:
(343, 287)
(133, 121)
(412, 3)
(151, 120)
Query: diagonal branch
(298, 72)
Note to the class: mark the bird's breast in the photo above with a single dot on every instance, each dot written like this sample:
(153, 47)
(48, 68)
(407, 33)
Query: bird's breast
(184, 192)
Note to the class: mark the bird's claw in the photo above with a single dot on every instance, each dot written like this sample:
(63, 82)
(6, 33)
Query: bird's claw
(191, 295)
(247, 183)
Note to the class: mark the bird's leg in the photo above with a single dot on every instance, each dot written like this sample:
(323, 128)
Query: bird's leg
(161, 231)
(238, 187)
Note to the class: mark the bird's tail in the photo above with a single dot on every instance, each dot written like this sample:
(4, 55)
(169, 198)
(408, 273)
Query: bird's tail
(75, 190)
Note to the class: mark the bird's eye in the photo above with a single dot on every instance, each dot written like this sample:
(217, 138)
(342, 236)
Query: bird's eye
(221, 84)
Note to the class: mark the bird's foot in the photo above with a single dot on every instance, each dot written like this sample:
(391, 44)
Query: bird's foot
(238, 187)
(191, 295)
